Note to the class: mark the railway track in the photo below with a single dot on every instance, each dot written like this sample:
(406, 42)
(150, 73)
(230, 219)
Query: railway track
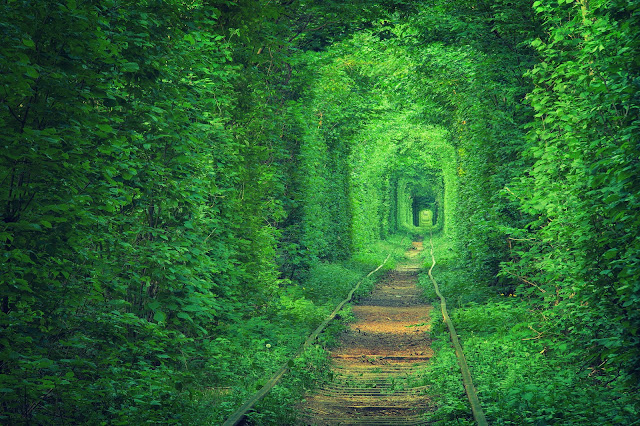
(375, 366)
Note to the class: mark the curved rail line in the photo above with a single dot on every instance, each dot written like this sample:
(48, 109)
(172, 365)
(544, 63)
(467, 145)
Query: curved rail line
(378, 364)
(478, 413)
(241, 412)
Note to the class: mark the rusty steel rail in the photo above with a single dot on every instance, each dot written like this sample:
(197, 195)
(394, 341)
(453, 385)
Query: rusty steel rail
(478, 413)
(241, 412)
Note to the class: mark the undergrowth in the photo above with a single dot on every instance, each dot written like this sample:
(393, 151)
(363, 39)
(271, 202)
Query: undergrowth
(255, 347)
(525, 368)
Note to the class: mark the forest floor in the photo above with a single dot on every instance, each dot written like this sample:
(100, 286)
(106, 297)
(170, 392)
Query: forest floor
(375, 363)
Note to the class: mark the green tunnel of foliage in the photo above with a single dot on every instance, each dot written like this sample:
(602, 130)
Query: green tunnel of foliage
(180, 180)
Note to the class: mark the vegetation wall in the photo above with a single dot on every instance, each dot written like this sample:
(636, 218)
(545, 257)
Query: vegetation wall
(179, 181)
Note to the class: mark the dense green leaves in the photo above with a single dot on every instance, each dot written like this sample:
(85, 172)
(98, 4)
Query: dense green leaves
(581, 189)
(116, 247)
(176, 179)
(153, 173)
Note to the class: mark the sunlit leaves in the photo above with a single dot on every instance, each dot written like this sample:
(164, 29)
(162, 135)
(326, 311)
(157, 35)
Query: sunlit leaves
(582, 183)
(112, 232)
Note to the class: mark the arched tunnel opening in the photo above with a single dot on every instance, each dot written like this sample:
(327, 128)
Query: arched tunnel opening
(421, 201)
(425, 211)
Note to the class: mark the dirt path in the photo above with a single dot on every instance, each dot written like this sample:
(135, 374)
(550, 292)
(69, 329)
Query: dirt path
(374, 365)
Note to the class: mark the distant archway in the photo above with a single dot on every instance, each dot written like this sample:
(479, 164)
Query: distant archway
(425, 218)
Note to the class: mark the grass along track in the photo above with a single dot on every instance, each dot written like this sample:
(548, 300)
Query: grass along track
(375, 364)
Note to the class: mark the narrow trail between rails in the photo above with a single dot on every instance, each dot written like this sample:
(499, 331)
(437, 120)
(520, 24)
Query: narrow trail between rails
(375, 364)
